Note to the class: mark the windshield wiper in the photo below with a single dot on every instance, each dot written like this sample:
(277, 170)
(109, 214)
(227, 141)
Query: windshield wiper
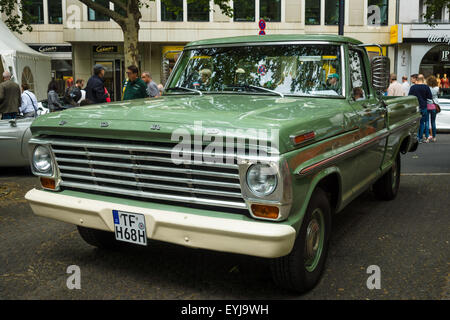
(186, 89)
(247, 86)
(265, 89)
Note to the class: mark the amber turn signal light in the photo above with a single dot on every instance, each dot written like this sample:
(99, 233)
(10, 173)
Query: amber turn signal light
(48, 183)
(304, 137)
(265, 211)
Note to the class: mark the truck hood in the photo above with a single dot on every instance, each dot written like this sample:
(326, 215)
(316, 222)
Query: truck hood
(288, 115)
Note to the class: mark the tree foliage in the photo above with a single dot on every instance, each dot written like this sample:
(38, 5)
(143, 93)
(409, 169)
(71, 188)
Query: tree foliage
(13, 20)
(434, 9)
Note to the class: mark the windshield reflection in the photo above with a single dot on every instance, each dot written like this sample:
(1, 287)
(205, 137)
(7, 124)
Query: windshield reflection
(306, 70)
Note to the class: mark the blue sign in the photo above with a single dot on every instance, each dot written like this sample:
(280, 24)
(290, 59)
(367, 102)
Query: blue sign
(262, 27)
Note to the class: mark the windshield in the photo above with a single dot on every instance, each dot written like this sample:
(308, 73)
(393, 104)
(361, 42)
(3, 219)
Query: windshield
(300, 69)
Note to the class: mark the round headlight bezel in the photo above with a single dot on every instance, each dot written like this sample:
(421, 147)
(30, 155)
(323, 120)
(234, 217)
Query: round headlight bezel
(41, 154)
(252, 188)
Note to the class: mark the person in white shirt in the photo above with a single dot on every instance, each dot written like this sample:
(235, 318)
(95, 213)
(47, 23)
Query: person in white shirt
(395, 89)
(405, 85)
(29, 104)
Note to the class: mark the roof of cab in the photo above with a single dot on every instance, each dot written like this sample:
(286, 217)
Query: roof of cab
(274, 38)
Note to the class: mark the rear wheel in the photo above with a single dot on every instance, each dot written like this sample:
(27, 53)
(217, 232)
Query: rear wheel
(386, 188)
(301, 269)
(98, 238)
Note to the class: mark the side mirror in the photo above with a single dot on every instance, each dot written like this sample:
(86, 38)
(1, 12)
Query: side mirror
(380, 73)
(165, 71)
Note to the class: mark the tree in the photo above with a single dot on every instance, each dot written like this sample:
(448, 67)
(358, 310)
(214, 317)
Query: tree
(434, 10)
(126, 13)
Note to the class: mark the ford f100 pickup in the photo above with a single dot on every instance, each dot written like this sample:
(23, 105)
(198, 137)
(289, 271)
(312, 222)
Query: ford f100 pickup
(256, 143)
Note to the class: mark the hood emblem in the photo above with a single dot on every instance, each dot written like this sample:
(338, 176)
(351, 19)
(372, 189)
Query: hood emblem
(155, 127)
(104, 124)
(61, 123)
(212, 131)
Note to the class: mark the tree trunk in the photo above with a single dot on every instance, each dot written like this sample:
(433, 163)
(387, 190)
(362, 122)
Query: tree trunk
(130, 42)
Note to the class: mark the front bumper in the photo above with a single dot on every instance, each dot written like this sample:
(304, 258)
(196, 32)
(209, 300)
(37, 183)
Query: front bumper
(262, 239)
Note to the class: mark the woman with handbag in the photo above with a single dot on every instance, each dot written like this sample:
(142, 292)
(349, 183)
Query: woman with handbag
(433, 105)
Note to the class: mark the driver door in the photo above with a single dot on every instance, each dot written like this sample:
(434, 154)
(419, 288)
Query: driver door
(371, 119)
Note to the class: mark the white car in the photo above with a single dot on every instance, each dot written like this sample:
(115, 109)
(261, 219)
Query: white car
(443, 118)
(14, 136)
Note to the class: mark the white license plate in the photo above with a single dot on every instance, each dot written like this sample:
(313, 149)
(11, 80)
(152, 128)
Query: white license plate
(130, 227)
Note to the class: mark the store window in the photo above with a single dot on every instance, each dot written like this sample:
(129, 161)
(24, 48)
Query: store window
(244, 10)
(437, 62)
(62, 71)
(172, 10)
(270, 10)
(332, 12)
(312, 12)
(198, 12)
(119, 10)
(34, 11)
(96, 16)
(377, 12)
(54, 11)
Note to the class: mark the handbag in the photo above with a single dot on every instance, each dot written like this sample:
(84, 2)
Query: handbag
(438, 108)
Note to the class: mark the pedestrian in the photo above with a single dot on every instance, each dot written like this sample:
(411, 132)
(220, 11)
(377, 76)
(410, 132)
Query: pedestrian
(431, 105)
(405, 85)
(152, 87)
(161, 89)
(395, 89)
(85, 102)
(78, 93)
(422, 92)
(95, 88)
(53, 101)
(414, 78)
(134, 87)
(108, 99)
(10, 97)
(29, 106)
(71, 96)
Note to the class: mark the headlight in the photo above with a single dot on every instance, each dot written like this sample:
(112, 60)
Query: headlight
(262, 179)
(42, 160)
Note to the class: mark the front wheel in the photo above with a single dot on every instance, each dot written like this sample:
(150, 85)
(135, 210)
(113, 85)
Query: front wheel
(386, 188)
(301, 269)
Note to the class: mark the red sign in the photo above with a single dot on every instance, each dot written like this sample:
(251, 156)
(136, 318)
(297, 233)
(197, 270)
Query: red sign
(262, 27)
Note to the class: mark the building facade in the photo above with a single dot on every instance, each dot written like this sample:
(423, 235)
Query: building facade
(424, 49)
(77, 37)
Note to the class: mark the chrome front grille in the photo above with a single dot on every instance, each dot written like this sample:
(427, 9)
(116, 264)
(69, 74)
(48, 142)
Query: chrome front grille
(145, 170)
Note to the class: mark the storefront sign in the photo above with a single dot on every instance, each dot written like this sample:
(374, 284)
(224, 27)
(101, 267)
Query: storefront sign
(445, 55)
(396, 34)
(105, 49)
(439, 39)
(433, 39)
(52, 49)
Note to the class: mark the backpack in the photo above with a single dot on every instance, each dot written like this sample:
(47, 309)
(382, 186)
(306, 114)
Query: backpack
(70, 96)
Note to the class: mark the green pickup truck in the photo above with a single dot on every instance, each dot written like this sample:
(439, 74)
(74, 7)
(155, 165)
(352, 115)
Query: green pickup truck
(256, 143)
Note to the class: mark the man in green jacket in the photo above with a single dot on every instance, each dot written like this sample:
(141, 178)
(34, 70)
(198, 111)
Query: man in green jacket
(10, 97)
(134, 87)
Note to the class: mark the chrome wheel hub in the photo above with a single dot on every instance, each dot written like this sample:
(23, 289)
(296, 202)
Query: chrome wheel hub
(312, 239)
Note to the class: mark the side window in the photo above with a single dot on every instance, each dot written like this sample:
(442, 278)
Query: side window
(358, 76)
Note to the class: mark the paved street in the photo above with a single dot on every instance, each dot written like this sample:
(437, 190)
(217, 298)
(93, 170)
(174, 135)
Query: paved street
(407, 238)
